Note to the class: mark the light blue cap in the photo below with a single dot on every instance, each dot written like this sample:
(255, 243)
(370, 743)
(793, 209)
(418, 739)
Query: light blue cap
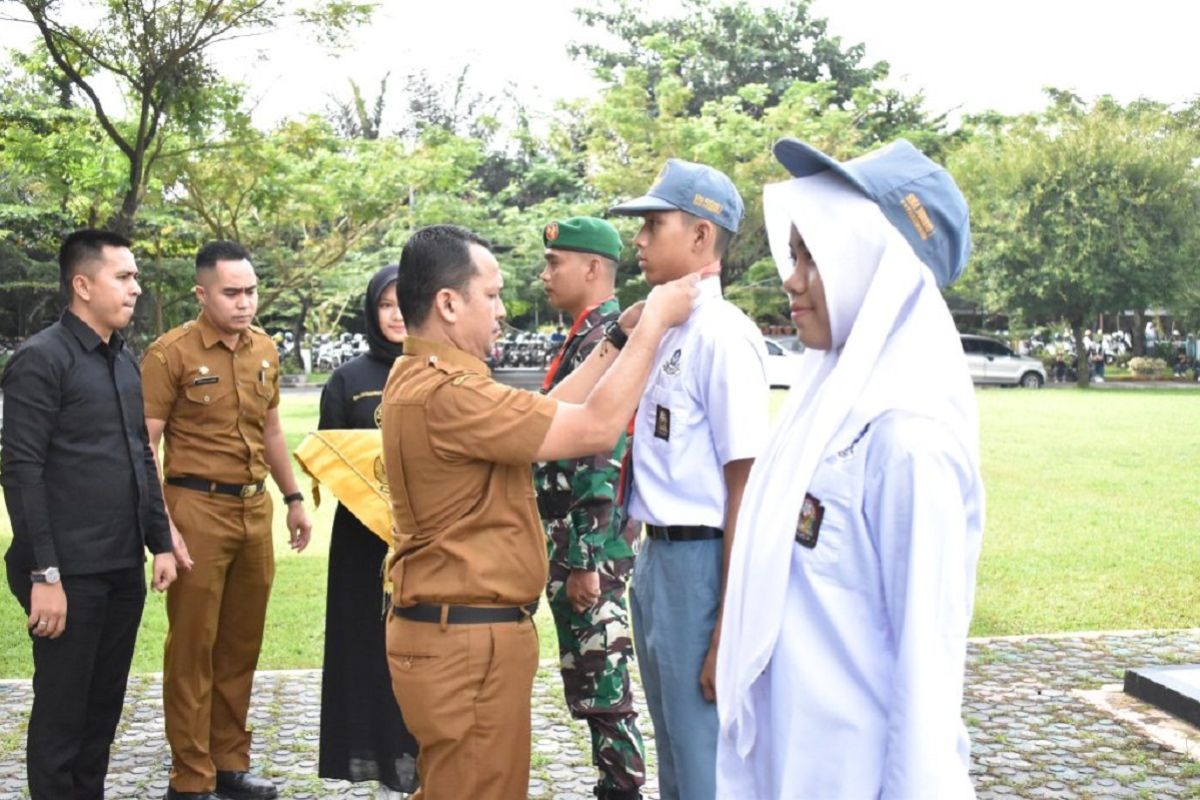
(695, 188)
(916, 195)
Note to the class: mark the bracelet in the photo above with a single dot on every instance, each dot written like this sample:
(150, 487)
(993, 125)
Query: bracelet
(615, 335)
(293, 497)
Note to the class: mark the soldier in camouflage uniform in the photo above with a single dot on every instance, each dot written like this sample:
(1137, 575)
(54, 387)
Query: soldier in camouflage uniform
(591, 545)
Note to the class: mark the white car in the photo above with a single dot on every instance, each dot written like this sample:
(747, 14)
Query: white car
(992, 362)
(783, 359)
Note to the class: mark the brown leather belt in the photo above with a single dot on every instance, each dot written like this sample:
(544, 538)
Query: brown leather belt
(465, 615)
(242, 490)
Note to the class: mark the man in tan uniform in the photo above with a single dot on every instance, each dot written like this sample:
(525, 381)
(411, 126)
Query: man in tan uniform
(470, 558)
(212, 387)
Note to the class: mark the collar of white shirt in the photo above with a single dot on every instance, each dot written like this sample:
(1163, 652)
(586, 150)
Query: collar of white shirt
(709, 287)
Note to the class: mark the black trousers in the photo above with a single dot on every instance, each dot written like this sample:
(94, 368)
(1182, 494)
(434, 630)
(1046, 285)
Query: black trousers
(79, 681)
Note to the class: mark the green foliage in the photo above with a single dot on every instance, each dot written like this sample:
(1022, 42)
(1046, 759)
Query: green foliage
(28, 291)
(353, 119)
(1080, 210)
(627, 147)
(307, 203)
(717, 49)
(322, 204)
(159, 55)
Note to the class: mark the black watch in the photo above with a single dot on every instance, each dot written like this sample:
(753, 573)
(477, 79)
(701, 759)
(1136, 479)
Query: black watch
(615, 334)
(288, 499)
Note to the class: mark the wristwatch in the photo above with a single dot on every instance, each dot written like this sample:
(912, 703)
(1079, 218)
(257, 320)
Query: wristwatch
(615, 334)
(47, 575)
(288, 499)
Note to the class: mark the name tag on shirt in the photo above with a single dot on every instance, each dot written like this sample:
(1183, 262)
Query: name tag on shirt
(808, 527)
(206, 381)
(662, 422)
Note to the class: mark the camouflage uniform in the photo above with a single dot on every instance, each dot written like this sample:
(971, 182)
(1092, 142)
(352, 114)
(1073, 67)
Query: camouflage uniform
(586, 531)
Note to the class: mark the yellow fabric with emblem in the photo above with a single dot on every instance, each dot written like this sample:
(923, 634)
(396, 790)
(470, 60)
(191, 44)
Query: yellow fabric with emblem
(350, 464)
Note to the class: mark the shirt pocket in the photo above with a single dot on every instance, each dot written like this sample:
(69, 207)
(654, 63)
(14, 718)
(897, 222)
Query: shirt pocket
(209, 397)
(264, 384)
(668, 417)
(834, 557)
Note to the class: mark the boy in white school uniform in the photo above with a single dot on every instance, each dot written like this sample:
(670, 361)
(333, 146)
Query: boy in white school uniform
(701, 422)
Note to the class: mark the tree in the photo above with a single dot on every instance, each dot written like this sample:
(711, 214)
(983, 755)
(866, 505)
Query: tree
(452, 106)
(720, 46)
(626, 149)
(301, 199)
(159, 52)
(355, 119)
(57, 171)
(719, 84)
(1081, 210)
(319, 212)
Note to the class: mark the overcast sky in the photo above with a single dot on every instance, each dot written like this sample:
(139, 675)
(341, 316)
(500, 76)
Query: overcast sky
(969, 55)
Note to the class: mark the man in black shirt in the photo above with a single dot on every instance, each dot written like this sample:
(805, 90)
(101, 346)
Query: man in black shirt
(84, 500)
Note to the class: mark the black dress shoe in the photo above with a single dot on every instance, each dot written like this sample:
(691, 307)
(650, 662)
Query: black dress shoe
(174, 795)
(244, 786)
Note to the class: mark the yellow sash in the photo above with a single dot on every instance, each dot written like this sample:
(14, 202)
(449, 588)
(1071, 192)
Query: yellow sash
(350, 464)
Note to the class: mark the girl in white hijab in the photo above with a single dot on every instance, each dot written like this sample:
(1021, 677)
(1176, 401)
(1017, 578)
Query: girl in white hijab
(852, 579)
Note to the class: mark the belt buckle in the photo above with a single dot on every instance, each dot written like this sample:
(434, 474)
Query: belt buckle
(248, 490)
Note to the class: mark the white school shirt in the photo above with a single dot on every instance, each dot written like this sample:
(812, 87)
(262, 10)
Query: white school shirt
(862, 698)
(704, 405)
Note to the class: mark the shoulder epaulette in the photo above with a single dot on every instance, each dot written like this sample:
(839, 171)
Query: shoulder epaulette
(174, 335)
(443, 365)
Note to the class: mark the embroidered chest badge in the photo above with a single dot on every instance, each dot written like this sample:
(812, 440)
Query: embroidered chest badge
(671, 366)
(808, 527)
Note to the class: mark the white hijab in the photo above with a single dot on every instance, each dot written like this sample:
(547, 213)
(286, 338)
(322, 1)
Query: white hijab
(895, 347)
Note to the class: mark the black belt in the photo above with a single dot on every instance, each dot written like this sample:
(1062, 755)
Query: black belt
(212, 487)
(465, 615)
(684, 533)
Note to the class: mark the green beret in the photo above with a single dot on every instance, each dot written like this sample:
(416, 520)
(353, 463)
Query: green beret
(583, 235)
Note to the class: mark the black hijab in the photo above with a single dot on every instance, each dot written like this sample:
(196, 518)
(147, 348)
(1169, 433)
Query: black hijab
(381, 348)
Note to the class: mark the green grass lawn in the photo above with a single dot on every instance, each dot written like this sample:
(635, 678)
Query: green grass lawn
(1092, 513)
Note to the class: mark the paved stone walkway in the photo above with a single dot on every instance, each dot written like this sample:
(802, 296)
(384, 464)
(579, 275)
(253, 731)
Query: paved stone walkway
(1033, 736)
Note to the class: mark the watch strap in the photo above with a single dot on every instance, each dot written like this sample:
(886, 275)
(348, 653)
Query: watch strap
(48, 575)
(615, 334)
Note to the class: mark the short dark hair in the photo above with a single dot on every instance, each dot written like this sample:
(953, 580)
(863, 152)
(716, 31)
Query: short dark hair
(724, 235)
(221, 250)
(80, 248)
(434, 258)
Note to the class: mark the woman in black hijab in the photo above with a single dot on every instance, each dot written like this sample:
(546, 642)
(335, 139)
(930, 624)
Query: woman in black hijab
(363, 736)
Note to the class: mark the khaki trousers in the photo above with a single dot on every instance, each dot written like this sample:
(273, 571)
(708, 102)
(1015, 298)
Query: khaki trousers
(465, 692)
(216, 612)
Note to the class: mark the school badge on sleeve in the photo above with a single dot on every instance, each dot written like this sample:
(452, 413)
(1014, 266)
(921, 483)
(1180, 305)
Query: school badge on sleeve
(808, 527)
